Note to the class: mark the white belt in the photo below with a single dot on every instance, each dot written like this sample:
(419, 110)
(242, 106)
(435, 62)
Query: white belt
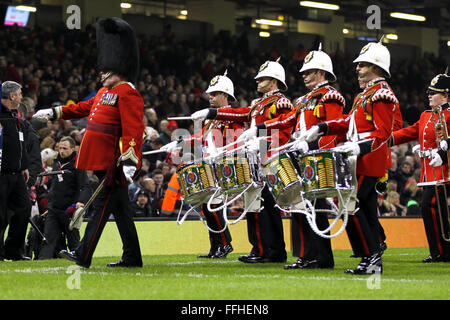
(364, 135)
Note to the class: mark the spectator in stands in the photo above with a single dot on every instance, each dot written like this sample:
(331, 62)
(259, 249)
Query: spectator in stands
(140, 206)
(166, 130)
(393, 206)
(134, 187)
(402, 174)
(150, 185)
(156, 158)
(158, 177)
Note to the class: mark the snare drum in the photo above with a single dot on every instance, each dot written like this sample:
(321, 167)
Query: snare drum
(196, 181)
(234, 173)
(326, 174)
(283, 179)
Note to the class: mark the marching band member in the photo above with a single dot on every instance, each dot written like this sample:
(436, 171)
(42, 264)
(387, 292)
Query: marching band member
(372, 119)
(223, 132)
(321, 103)
(111, 145)
(434, 165)
(265, 228)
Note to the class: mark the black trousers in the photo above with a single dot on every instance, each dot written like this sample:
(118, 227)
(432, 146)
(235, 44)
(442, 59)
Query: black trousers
(215, 221)
(265, 229)
(13, 196)
(308, 245)
(113, 201)
(363, 228)
(432, 220)
(57, 223)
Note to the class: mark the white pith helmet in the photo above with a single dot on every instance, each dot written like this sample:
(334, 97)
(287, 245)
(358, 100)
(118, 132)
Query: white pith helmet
(377, 54)
(319, 60)
(273, 69)
(221, 84)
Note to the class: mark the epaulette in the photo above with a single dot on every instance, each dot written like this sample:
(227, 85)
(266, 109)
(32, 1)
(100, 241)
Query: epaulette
(384, 94)
(333, 95)
(284, 103)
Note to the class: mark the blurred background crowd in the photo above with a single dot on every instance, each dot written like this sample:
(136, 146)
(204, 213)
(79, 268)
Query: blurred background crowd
(58, 66)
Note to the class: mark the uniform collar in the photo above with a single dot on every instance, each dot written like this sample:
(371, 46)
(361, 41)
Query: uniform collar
(320, 85)
(373, 82)
(270, 93)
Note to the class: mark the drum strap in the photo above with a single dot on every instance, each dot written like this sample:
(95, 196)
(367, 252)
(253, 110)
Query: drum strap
(352, 133)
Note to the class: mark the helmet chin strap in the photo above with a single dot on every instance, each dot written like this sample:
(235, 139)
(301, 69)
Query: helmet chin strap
(105, 76)
(267, 85)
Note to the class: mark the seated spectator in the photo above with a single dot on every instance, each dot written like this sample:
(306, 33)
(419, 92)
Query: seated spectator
(158, 177)
(137, 184)
(403, 173)
(150, 185)
(413, 208)
(410, 192)
(392, 205)
(140, 206)
(156, 158)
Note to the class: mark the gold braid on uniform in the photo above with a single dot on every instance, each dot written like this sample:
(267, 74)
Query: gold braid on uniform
(57, 112)
(129, 154)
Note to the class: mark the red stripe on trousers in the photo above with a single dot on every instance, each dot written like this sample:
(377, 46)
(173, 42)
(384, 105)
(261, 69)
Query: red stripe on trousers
(258, 235)
(222, 234)
(435, 225)
(98, 226)
(361, 235)
(302, 236)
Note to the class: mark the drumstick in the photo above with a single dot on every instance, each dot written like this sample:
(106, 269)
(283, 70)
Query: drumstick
(358, 142)
(283, 146)
(179, 118)
(152, 152)
(237, 141)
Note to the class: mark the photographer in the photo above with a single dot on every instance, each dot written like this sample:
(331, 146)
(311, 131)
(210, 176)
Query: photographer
(67, 191)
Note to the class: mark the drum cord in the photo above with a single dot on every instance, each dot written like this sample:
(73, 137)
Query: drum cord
(243, 214)
(311, 217)
(180, 222)
(226, 204)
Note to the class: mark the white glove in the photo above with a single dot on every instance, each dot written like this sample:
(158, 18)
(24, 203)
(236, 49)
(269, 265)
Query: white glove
(43, 115)
(436, 160)
(200, 115)
(416, 148)
(301, 145)
(311, 134)
(169, 147)
(129, 171)
(350, 147)
(444, 145)
(248, 134)
(253, 146)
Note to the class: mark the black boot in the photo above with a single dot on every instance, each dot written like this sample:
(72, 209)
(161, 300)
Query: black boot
(368, 265)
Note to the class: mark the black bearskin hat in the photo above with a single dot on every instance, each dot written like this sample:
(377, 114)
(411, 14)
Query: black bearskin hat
(117, 48)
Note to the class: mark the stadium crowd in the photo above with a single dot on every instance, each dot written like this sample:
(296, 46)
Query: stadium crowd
(56, 66)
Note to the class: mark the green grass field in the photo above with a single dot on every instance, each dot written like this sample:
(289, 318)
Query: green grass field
(184, 277)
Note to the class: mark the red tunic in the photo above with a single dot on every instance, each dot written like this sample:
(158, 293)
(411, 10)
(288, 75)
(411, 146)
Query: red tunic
(113, 114)
(374, 110)
(423, 131)
(224, 133)
(270, 106)
(321, 104)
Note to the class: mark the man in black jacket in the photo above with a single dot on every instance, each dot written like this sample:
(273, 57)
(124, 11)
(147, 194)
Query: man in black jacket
(67, 192)
(32, 145)
(13, 174)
